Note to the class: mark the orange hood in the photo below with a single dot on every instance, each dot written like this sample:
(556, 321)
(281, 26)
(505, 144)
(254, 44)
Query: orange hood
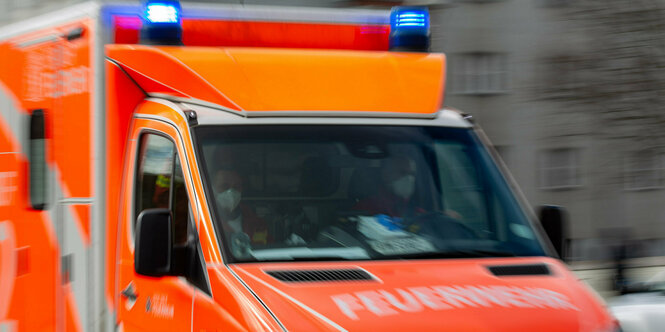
(444, 295)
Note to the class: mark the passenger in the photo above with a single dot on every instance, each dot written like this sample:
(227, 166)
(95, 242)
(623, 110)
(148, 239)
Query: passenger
(237, 218)
(394, 197)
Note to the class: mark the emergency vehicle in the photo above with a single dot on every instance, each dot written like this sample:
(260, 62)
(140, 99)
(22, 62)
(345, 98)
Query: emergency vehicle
(222, 168)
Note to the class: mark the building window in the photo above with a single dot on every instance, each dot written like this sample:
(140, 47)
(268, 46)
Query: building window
(559, 169)
(644, 170)
(478, 73)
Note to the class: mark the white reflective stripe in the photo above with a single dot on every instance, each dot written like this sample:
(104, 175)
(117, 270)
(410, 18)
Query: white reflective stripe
(37, 41)
(8, 326)
(77, 200)
(298, 303)
(61, 16)
(13, 122)
(98, 37)
(71, 242)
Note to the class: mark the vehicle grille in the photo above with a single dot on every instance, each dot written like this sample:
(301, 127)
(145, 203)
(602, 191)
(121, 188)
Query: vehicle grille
(320, 275)
(520, 270)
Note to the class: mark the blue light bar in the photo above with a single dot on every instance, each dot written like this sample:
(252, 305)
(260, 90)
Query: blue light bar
(162, 24)
(162, 13)
(411, 19)
(409, 29)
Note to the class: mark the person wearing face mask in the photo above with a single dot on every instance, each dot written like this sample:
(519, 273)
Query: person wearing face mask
(240, 223)
(394, 197)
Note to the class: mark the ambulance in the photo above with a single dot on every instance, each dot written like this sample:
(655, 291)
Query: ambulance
(230, 168)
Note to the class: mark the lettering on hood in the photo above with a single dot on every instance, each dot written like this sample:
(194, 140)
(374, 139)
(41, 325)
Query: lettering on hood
(414, 299)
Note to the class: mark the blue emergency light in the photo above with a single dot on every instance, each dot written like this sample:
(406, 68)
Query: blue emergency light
(409, 29)
(162, 23)
(162, 13)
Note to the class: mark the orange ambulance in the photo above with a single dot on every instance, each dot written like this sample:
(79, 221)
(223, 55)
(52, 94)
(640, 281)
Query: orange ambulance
(231, 168)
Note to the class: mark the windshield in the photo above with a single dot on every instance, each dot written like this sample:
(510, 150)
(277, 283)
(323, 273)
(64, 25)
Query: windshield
(283, 193)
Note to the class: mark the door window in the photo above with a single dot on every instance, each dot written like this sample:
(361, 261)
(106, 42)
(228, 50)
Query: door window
(160, 183)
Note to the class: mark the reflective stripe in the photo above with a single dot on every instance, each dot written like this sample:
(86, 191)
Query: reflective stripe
(163, 181)
(8, 326)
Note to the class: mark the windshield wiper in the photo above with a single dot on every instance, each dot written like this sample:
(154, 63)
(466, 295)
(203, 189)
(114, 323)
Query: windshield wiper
(308, 259)
(465, 253)
(319, 258)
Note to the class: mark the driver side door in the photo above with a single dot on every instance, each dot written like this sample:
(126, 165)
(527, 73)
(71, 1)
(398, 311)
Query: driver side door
(153, 303)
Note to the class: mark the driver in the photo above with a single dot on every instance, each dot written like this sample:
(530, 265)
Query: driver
(394, 202)
(237, 218)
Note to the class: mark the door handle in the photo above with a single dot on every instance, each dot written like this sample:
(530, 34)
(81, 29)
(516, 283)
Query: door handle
(129, 292)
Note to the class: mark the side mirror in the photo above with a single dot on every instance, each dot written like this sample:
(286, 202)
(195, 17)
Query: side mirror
(553, 220)
(153, 243)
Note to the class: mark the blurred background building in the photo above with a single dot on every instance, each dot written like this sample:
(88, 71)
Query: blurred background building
(569, 91)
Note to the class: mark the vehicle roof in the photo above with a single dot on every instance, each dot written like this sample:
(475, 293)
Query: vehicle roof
(271, 79)
(206, 115)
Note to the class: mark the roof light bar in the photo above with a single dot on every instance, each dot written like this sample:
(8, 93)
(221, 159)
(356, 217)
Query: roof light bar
(162, 24)
(411, 19)
(409, 29)
(162, 13)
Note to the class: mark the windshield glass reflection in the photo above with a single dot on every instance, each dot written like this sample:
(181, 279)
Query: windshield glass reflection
(282, 193)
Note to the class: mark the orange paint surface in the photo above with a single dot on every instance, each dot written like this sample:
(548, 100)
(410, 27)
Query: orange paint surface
(53, 75)
(256, 79)
(122, 97)
(406, 294)
(29, 286)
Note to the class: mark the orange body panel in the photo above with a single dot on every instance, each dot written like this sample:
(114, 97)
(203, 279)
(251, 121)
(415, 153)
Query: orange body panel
(52, 74)
(56, 76)
(443, 295)
(122, 97)
(28, 248)
(175, 310)
(211, 251)
(294, 80)
(232, 306)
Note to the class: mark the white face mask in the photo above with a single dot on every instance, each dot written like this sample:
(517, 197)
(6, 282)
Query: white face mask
(228, 200)
(404, 186)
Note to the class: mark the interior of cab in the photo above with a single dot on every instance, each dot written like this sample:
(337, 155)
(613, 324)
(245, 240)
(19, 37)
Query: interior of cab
(363, 187)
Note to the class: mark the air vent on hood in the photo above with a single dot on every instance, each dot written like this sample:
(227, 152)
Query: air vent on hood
(320, 275)
(520, 270)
